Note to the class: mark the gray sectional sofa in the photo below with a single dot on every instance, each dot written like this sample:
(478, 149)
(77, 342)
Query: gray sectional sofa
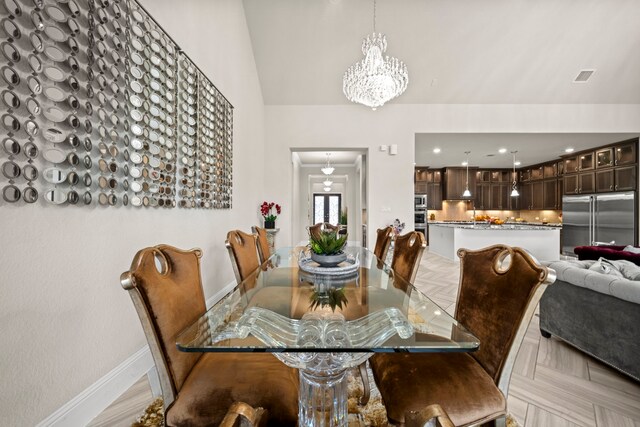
(596, 313)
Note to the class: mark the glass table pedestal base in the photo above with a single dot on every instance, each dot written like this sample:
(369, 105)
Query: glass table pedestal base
(323, 399)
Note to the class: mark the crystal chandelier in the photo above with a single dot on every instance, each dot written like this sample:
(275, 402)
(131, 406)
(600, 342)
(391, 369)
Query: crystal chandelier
(327, 170)
(514, 189)
(376, 79)
(467, 193)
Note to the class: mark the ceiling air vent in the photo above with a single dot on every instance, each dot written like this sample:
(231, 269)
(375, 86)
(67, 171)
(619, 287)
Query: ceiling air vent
(583, 76)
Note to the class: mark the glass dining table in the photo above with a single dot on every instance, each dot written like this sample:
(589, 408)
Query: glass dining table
(323, 322)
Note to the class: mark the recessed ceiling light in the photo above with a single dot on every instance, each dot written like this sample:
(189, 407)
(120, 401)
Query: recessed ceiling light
(465, 163)
(502, 150)
(569, 150)
(436, 150)
(517, 163)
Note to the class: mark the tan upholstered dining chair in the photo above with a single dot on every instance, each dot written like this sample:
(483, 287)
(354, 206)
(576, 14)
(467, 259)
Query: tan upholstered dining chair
(264, 251)
(315, 230)
(383, 242)
(165, 286)
(495, 302)
(405, 263)
(431, 416)
(407, 253)
(242, 252)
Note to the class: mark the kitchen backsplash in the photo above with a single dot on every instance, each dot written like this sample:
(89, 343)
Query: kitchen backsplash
(462, 211)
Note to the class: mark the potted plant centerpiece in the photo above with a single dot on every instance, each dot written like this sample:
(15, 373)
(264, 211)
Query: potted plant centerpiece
(327, 248)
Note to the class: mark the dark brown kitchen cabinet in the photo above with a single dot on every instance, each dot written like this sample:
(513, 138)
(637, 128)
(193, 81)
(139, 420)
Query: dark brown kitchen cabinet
(586, 183)
(625, 178)
(537, 195)
(482, 198)
(525, 174)
(549, 170)
(559, 168)
(536, 173)
(571, 165)
(525, 195)
(422, 175)
(501, 176)
(625, 154)
(420, 187)
(455, 182)
(604, 158)
(483, 176)
(434, 176)
(560, 192)
(550, 194)
(586, 161)
(434, 196)
(500, 196)
(571, 184)
(604, 181)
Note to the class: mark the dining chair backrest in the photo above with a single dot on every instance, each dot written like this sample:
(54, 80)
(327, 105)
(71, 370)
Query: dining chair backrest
(264, 251)
(243, 253)
(500, 287)
(383, 241)
(317, 229)
(407, 253)
(165, 286)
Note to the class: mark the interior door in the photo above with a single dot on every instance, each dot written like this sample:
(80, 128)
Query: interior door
(326, 208)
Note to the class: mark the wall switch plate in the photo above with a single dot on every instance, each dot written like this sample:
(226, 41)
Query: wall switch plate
(383, 148)
(386, 209)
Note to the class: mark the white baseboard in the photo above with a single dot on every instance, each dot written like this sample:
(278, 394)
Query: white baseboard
(87, 405)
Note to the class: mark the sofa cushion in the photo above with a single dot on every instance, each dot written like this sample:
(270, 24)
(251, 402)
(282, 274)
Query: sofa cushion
(632, 249)
(578, 273)
(604, 266)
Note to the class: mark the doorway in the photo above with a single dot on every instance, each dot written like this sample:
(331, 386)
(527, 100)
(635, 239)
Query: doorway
(315, 191)
(327, 208)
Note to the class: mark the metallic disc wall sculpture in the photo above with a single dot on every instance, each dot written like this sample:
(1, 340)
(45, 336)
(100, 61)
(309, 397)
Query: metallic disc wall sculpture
(100, 107)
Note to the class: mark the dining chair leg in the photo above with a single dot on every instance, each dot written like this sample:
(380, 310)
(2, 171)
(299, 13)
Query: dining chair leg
(366, 393)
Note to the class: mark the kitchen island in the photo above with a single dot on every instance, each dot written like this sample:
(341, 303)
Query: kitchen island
(542, 241)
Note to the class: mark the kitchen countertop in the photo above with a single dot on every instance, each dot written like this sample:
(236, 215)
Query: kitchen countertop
(485, 226)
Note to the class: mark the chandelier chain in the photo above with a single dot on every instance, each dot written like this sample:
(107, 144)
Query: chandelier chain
(374, 16)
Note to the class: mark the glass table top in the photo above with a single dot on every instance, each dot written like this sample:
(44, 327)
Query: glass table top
(281, 308)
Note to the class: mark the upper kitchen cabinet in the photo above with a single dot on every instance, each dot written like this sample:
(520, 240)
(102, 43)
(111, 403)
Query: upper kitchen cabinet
(586, 161)
(571, 165)
(550, 170)
(420, 181)
(625, 154)
(536, 173)
(455, 182)
(429, 182)
(604, 158)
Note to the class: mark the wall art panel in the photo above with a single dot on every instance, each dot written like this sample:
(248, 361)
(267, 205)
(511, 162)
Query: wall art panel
(100, 107)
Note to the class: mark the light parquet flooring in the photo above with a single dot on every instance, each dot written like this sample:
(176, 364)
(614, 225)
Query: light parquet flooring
(553, 384)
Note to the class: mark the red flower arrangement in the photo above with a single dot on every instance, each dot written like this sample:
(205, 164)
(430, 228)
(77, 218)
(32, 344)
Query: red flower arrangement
(265, 210)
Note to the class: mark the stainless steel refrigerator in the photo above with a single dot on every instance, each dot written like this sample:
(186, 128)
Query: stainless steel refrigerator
(598, 219)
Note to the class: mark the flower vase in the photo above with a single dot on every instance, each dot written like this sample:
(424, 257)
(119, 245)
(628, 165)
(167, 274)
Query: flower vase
(269, 224)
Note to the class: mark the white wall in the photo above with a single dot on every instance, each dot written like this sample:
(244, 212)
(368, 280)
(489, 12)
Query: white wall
(65, 320)
(390, 178)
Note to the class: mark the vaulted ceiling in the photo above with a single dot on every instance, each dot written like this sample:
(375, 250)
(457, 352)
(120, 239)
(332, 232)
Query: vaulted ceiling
(459, 52)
